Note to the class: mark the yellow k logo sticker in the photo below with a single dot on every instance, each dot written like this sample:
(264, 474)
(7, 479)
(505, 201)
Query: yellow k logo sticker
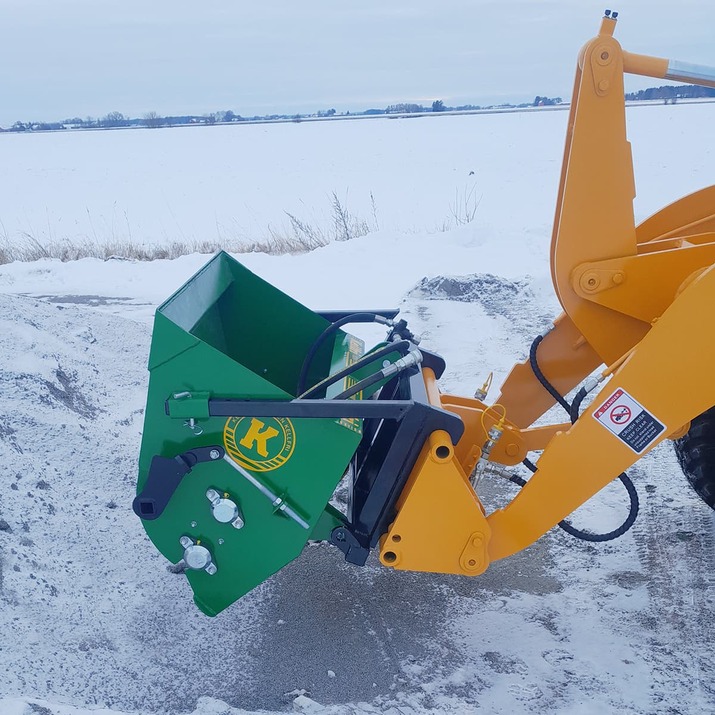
(255, 438)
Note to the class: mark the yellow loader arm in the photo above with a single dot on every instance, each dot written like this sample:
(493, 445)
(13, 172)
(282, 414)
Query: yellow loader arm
(633, 299)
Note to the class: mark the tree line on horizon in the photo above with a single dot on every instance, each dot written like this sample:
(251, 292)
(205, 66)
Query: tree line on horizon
(670, 93)
(113, 120)
(153, 120)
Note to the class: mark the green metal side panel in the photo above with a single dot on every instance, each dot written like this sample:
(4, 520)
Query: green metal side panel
(229, 334)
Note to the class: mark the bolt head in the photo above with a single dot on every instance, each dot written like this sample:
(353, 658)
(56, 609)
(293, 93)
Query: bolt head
(214, 454)
(185, 541)
(238, 522)
(224, 510)
(197, 557)
(211, 569)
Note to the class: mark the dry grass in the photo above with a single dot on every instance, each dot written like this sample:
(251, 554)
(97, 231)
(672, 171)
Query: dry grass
(464, 208)
(300, 236)
(30, 249)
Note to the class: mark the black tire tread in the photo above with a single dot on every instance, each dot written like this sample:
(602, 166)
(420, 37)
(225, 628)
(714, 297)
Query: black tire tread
(696, 455)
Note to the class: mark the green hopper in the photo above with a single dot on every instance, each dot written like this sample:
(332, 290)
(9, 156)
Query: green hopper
(236, 468)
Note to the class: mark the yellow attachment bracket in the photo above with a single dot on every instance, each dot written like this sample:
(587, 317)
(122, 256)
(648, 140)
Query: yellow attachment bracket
(440, 525)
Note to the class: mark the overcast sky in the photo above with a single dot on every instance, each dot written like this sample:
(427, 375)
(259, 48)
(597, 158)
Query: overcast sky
(63, 58)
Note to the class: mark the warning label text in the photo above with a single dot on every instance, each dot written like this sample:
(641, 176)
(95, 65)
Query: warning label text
(629, 421)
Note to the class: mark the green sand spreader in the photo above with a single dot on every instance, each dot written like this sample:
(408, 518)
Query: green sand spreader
(256, 409)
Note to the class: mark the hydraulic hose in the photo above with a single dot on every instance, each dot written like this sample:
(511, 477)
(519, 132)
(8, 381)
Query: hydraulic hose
(401, 346)
(588, 535)
(353, 318)
(366, 382)
(542, 378)
(414, 357)
(574, 411)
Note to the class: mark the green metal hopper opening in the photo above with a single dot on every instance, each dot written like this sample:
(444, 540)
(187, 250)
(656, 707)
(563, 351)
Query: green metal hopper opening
(250, 321)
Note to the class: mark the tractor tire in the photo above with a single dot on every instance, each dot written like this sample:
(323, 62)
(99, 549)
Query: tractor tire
(696, 455)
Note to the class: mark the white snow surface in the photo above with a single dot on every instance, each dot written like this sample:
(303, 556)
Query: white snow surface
(91, 621)
(152, 186)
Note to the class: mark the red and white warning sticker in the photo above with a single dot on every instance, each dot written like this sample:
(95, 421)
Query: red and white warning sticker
(629, 421)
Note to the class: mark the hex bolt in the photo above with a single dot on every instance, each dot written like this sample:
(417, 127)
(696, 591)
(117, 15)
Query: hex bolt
(224, 510)
(197, 557)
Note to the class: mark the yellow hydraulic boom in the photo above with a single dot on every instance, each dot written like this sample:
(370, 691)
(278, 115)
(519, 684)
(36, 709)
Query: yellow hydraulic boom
(633, 297)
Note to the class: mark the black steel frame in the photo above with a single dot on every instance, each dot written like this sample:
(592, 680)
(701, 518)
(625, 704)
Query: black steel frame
(396, 425)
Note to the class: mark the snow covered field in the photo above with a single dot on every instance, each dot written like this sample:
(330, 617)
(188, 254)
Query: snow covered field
(233, 182)
(91, 620)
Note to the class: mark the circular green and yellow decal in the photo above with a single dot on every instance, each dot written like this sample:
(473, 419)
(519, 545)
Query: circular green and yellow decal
(259, 443)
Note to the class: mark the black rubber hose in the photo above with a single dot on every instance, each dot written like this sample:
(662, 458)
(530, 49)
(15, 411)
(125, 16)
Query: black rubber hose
(353, 318)
(574, 410)
(401, 346)
(542, 378)
(366, 382)
(588, 535)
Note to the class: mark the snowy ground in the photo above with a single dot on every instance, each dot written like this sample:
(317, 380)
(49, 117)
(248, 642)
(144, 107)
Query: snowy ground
(90, 617)
(232, 182)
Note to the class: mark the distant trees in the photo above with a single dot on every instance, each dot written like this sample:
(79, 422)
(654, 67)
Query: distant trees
(152, 120)
(36, 127)
(113, 119)
(404, 108)
(546, 101)
(670, 93)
